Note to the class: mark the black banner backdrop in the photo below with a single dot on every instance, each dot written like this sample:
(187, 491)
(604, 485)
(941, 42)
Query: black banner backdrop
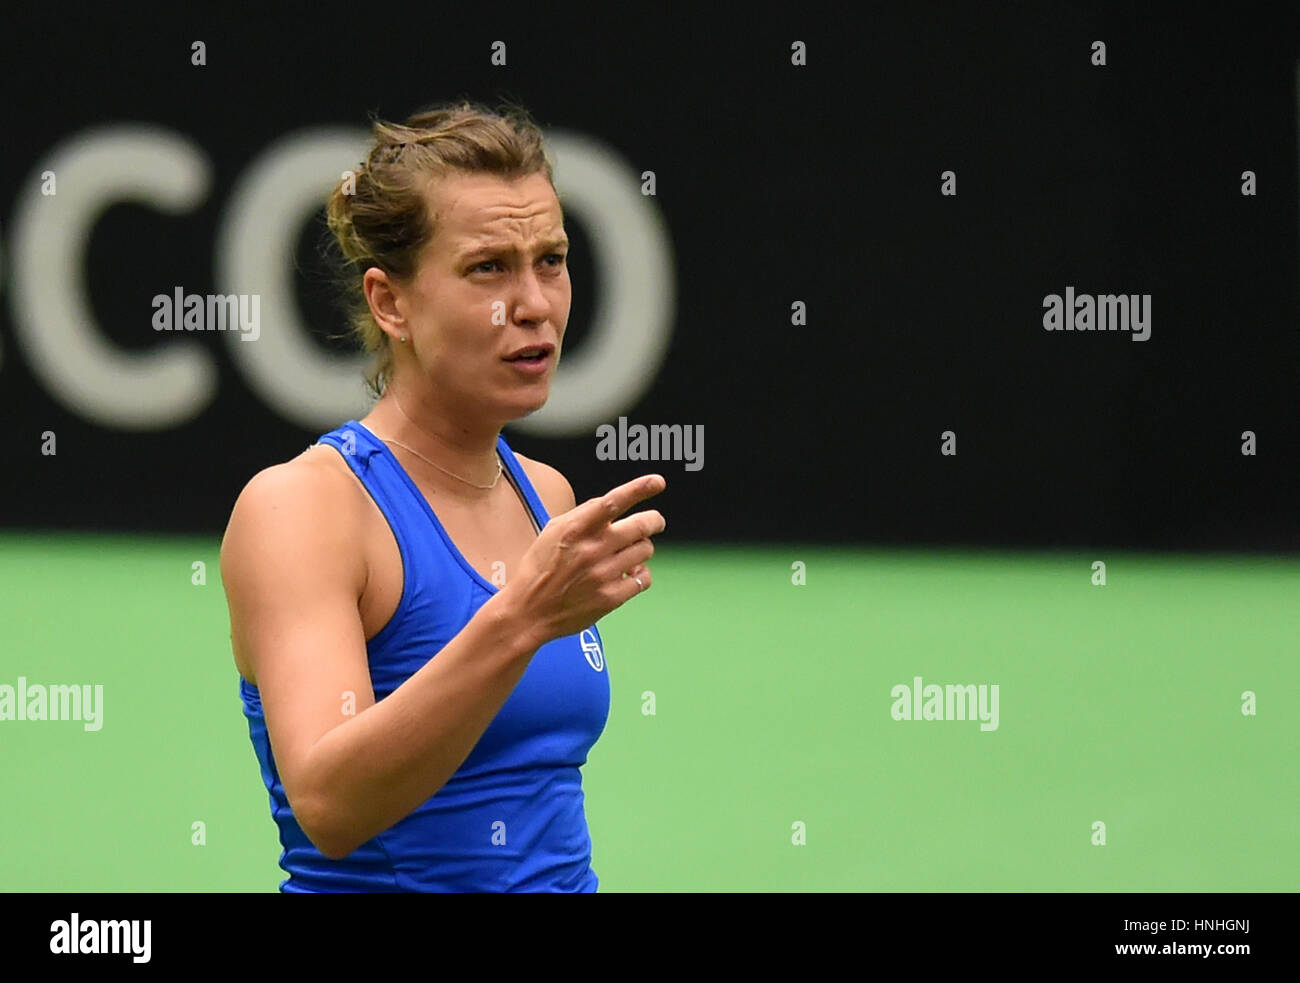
(799, 285)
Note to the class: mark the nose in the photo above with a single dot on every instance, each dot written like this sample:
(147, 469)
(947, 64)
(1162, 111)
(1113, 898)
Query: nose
(531, 302)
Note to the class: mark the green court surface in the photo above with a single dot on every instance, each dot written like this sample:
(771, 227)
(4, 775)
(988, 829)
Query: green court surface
(772, 761)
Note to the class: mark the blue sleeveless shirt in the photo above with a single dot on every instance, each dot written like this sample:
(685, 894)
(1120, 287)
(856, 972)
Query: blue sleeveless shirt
(511, 817)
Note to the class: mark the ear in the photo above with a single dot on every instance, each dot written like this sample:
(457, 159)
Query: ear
(386, 303)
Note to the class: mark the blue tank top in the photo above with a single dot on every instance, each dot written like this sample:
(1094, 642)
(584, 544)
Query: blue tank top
(511, 817)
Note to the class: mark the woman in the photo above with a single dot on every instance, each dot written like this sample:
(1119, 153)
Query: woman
(415, 636)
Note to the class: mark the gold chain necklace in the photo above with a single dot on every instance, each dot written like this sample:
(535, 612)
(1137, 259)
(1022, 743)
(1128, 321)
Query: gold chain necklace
(398, 443)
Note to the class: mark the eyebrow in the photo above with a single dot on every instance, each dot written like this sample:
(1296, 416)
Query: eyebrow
(560, 242)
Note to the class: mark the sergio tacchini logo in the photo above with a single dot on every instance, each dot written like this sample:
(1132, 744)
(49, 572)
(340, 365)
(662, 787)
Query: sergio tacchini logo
(591, 649)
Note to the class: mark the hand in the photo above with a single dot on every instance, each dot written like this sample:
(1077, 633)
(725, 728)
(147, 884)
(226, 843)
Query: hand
(573, 574)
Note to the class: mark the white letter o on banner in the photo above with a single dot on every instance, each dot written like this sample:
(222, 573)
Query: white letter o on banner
(256, 248)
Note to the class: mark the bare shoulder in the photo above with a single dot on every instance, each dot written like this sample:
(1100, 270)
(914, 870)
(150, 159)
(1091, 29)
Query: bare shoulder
(552, 487)
(315, 481)
(310, 505)
(293, 563)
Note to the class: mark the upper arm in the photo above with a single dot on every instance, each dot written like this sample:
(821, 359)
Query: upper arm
(552, 487)
(293, 570)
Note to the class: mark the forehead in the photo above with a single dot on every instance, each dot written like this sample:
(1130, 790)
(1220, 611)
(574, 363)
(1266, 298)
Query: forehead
(480, 209)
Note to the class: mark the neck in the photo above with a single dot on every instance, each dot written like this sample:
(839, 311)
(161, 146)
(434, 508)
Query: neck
(467, 448)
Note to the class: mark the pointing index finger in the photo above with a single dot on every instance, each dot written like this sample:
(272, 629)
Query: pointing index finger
(608, 507)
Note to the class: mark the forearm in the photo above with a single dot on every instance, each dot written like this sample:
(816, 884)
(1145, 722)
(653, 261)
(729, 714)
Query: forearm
(374, 770)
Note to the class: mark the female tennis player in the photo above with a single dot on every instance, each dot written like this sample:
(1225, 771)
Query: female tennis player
(412, 604)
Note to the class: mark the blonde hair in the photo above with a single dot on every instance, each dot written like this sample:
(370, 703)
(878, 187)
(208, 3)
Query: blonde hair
(384, 220)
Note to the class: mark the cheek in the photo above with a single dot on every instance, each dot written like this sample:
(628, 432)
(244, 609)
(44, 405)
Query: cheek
(464, 326)
(564, 300)
(469, 343)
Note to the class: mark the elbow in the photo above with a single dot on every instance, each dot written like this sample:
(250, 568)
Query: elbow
(333, 852)
(319, 823)
(331, 847)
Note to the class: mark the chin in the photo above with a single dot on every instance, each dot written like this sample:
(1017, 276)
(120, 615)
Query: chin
(524, 407)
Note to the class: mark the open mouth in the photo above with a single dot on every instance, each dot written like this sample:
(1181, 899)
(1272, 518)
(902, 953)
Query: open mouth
(534, 356)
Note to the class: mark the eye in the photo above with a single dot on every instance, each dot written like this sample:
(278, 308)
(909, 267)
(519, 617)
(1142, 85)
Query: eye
(556, 256)
(478, 266)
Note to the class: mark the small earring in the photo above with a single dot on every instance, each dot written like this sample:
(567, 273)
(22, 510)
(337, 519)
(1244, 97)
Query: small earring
(403, 338)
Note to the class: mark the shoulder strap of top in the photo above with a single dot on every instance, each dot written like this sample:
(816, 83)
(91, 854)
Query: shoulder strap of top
(365, 455)
(354, 442)
(519, 478)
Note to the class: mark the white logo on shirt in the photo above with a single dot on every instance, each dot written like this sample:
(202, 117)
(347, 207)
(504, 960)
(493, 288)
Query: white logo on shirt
(591, 649)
